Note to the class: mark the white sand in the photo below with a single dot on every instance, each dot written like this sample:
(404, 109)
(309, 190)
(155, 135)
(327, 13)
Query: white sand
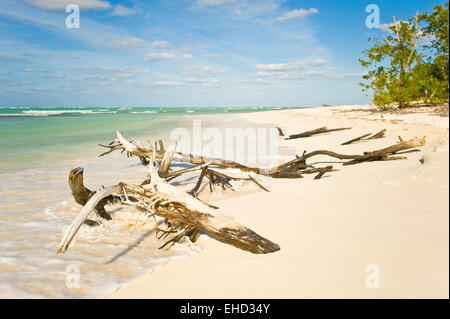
(392, 214)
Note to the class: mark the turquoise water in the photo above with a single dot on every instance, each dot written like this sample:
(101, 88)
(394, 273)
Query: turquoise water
(31, 137)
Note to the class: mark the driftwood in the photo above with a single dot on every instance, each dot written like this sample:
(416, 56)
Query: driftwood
(380, 134)
(221, 179)
(280, 131)
(378, 155)
(185, 215)
(319, 130)
(188, 215)
(296, 165)
(366, 137)
(145, 153)
(82, 194)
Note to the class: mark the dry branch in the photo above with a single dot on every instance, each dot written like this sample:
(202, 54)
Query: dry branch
(290, 169)
(366, 137)
(280, 131)
(381, 154)
(319, 130)
(323, 171)
(356, 139)
(380, 134)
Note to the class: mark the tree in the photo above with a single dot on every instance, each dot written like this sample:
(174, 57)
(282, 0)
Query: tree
(411, 63)
(390, 62)
(434, 74)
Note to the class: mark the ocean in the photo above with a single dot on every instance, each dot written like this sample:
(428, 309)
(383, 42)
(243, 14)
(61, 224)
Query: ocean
(30, 137)
(38, 148)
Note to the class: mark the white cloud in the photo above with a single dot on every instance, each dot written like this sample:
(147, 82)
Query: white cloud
(275, 66)
(297, 14)
(386, 26)
(354, 75)
(203, 82)
(127, 43)
(120, 10)
(35, 70)
(187, 56)
(291, 65)
(202, 71)
(328, 73)
(195, 47)
(129, 72)
(300, 70)
(55, 76)
(165, 83)
(155, 57)
(123, 72)
(244, 10)
(61, 4)
(325, 73)
(278, 75)
(161, 45)
(212, 3)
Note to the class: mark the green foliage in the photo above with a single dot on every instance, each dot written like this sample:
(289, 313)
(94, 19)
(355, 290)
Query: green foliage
(400, 69)
(436, 70)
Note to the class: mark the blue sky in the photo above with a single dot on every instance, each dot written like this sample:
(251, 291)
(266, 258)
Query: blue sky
(188, 53)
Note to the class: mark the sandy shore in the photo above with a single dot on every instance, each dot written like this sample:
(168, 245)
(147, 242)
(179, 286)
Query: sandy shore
(390, 214)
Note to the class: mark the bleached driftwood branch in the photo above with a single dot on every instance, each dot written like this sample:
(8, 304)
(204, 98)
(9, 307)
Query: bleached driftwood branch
(83, 215)
(296, 165)
(189, 214)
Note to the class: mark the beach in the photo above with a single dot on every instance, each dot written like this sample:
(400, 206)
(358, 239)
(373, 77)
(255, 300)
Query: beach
(224, 149)
(388, 218)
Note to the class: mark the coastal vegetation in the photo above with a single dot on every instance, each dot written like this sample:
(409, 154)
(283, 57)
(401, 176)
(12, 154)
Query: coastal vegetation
(411, 63)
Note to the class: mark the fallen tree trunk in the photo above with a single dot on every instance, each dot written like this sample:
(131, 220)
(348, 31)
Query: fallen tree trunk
(319, 130)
